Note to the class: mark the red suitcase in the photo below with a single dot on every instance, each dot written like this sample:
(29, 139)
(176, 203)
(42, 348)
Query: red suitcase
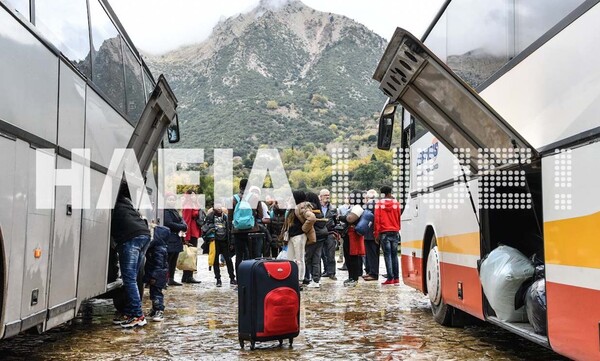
(268, 301)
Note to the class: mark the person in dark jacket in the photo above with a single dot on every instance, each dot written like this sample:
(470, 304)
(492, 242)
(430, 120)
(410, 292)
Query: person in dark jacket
(312, 257)
(176, 224)
(216, 229)
(131, 234)
(156, 270)
(329, 246)
(371, 244)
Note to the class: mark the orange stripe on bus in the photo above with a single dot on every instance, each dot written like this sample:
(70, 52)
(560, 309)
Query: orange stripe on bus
(573, 242)
(413, 244)
(467, 243)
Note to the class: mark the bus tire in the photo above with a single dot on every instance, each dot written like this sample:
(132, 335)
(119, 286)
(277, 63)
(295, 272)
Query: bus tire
(442, 313)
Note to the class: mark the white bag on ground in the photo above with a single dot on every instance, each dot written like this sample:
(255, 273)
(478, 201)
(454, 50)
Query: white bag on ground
(283, 254)
(502, 272)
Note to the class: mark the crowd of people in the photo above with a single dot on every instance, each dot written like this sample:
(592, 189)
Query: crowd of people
(306, 229)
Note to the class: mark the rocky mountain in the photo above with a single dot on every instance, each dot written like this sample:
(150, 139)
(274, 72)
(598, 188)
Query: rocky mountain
(280, 75)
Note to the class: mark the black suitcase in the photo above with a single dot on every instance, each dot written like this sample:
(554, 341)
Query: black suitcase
(268, 301)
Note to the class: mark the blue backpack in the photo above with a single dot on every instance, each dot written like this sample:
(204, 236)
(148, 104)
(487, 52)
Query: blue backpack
(365, 223)
(243, 214)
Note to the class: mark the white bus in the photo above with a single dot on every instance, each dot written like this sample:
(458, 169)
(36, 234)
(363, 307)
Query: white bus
(514, 85)
(70, 78)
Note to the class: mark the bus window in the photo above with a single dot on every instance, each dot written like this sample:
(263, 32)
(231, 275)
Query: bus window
(134, 89)
(65, 24)
(477, 48)
(107, 56)
(535, 17)
(149, 83)
(20, 6)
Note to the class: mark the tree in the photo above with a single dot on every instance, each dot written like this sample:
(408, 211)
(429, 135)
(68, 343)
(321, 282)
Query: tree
(371, 175)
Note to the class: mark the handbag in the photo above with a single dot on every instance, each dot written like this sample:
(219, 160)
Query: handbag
(356, 243)
(187, 259)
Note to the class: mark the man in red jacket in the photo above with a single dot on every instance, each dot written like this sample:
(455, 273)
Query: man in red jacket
(387, 231)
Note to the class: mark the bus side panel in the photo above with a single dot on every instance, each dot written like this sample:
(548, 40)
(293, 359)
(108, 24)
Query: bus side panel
(95, 242)
(29, 74)
(105, 129)
(572, 249)
(13, 237)
(411, 271)
(459, 245)
(65, 255)
(37, 248)
(573, 320)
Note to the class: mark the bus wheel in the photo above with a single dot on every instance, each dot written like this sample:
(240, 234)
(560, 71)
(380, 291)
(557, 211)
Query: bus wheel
(442, 313)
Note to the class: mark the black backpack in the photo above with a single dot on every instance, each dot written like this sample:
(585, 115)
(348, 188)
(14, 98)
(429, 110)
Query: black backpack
(220, 227)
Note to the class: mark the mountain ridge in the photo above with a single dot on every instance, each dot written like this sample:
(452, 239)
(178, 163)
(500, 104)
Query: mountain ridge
(277, 76)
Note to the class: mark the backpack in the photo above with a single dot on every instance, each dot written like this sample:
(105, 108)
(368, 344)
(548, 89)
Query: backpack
(243, 214)
(220, 228)
(364, 226)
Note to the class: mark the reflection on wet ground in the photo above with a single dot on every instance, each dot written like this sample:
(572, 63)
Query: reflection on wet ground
(367, 322)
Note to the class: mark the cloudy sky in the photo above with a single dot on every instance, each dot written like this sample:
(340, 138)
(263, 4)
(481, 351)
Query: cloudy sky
(157, 26)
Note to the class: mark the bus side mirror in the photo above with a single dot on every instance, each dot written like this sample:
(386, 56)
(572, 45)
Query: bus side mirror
(386, 127)
(173, 131)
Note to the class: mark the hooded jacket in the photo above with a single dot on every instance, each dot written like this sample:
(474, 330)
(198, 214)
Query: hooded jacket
(387, 216)
(126, 222)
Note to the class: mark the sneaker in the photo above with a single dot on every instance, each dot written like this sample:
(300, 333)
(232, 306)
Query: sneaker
(134, 321)
(119, 318)
(350, 283)
(175, 283)
(158, 316)
(192, 280)
(151, 313)
(219, 284)
(314, 285)
(324, 274)
(388, 282)
(369, 278)
(396, 281)
(233, 282)
(333, 277)
(305, 282)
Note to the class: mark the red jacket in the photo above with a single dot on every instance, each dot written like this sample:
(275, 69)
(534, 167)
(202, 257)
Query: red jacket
(189, 216)
(387, 216)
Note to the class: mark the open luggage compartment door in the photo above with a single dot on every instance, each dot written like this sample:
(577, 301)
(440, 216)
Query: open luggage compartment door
(410, 74)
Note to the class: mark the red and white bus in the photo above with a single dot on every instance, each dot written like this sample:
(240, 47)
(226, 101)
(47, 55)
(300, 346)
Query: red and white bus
(513, 86)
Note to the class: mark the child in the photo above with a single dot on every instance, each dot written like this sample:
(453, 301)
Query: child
(156, 270)
(216, 229)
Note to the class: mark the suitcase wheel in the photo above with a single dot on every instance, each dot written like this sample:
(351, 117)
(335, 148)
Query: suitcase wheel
(241, 343)
(280, 342)
(252, 345)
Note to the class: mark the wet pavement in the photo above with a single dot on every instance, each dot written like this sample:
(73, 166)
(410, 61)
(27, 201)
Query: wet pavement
(367, 322)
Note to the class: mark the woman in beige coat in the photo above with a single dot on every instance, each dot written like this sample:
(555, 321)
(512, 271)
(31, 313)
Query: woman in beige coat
(300, 231)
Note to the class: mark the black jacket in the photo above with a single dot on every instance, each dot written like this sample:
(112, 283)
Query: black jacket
(157, 260)
(175, 223)
(126, 222)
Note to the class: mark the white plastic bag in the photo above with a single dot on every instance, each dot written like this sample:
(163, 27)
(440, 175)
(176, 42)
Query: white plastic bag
(283, 254)
(501, 274)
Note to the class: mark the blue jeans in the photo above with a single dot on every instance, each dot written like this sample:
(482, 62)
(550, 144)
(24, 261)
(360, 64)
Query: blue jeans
(131, 254)
(389, 242)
